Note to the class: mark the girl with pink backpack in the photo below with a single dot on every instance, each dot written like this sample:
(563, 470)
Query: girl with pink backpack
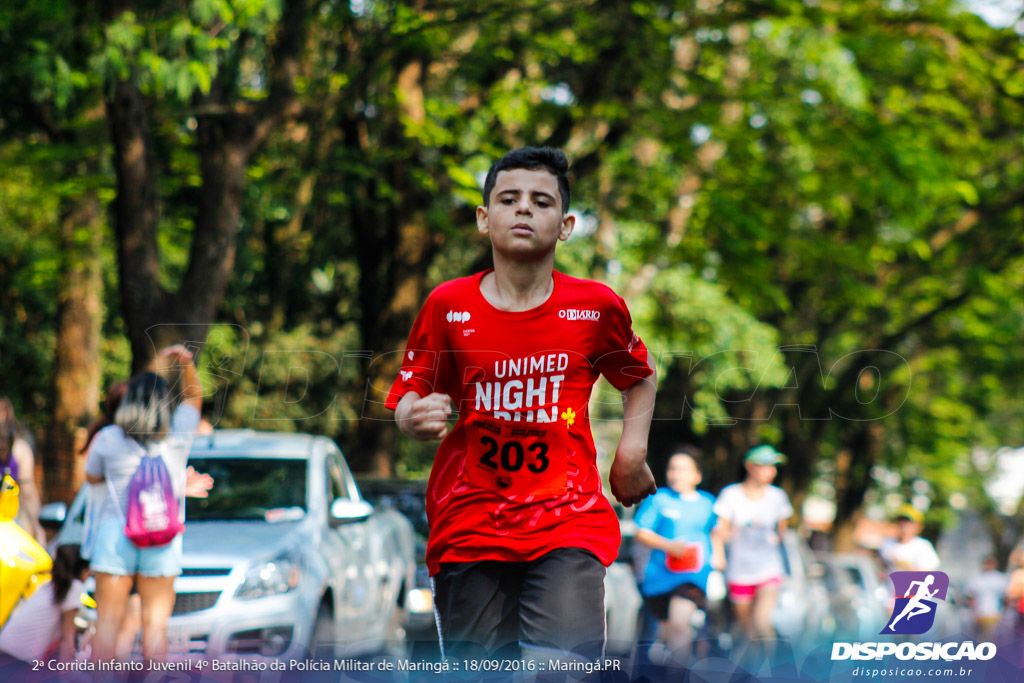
(137, 516)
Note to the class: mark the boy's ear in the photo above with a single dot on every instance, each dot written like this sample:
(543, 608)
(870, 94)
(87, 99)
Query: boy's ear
(568, 223)
(481, 220)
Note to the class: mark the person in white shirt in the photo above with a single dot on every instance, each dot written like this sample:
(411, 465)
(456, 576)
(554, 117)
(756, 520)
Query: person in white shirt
(985, 597)
(197, 485)
(908, 551)
(143, 424)
(47, 617)
(751, 520)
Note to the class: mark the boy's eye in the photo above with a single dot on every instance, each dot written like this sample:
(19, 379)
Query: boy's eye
(543, 204)
(508, 200)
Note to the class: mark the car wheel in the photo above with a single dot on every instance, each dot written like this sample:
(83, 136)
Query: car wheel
(323, 642)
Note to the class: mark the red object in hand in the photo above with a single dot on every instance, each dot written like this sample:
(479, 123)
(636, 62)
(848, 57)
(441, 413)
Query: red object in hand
(689, 561)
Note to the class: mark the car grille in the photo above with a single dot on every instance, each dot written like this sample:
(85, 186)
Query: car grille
(185, 603)
(204, 571)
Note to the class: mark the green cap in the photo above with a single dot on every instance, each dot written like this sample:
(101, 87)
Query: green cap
(764, 455)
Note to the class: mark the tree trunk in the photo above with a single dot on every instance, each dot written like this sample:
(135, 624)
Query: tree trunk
(154, 317)
(394, 248)
(136, 219)
(853, 478)
(385, 329)
(76, 375)
(230, 130)
(672, 425)
(844, 538)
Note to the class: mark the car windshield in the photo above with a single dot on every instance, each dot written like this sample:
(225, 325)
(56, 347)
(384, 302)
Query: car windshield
(855, 576)
(408, 500)
(265, 489)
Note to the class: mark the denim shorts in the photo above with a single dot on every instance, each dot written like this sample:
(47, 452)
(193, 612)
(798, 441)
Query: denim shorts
(113, 553)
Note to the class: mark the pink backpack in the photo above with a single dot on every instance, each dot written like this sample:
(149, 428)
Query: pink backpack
(151, 516)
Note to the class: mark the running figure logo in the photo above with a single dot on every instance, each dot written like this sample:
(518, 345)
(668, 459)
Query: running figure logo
(917, 594)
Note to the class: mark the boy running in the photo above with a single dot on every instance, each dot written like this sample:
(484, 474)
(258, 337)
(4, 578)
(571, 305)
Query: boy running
(520, 529)
(676, 522)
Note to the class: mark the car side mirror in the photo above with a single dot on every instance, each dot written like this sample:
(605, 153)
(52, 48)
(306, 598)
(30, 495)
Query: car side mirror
(345, 510)
(52, 515)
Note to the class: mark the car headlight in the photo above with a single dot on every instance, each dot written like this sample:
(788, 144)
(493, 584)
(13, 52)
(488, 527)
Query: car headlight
(420, 600)
(274, 577)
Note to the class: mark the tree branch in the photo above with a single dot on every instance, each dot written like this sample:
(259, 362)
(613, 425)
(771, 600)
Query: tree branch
(285, 63)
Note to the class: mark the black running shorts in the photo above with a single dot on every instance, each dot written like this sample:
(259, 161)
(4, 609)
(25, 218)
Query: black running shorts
(551, 605)
(658, 604)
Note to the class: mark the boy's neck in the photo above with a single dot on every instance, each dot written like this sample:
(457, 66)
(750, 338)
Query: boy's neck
(518, 285)
(754, 488)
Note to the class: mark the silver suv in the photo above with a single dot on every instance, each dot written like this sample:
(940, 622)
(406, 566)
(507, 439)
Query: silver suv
(284, 557)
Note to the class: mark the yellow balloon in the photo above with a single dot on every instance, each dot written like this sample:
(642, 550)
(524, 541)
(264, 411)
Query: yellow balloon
(24, 566)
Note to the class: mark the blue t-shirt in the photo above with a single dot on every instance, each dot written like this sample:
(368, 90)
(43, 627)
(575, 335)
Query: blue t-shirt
(671, 516)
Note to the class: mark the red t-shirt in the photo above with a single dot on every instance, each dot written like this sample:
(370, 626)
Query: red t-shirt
(517, 475)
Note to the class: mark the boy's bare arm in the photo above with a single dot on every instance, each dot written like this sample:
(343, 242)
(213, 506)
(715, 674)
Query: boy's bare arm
(659, 542)
(717, 550)
(630, 477)
(720, 535)
(424, 418)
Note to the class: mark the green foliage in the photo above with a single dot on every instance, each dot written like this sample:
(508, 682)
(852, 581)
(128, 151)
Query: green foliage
(28, 263)
(724, 351)
(838, 175)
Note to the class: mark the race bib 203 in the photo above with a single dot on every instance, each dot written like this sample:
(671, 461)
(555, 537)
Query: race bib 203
(516, 458)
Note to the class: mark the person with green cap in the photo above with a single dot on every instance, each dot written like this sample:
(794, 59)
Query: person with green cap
(751, 520)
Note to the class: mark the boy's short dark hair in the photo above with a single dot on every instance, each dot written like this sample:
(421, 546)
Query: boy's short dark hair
(690, 451)
(532, 158)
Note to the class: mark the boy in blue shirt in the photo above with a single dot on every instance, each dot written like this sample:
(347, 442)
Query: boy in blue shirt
(676, 523)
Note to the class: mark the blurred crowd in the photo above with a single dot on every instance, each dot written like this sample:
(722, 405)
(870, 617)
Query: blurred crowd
(136, 469)
(711, 570)
(723, 576)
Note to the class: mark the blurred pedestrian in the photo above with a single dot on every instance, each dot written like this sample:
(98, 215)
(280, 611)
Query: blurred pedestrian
(985, 592)
(752, 519)
(44, 623)
(18, 463)
(1015, 590)
(143, 425)
(115, 394)
(908, 551)
(197, 485)
(676, 523)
